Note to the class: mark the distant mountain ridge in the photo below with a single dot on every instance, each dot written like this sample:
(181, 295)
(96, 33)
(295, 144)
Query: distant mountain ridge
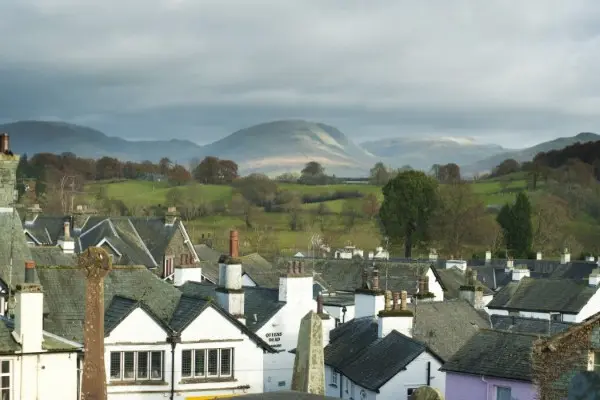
(279, 146)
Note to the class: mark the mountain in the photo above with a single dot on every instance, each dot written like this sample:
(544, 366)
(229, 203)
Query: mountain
(422, 153)
(33, 137)
(486, 164)
(286, 146)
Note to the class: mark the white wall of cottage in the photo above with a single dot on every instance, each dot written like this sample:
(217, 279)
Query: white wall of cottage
(210, 330)
(43, 376)
(435, 287)
(396, 388)
(336, 312)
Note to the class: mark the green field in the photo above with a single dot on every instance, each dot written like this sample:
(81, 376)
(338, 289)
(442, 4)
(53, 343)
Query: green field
(272, 230)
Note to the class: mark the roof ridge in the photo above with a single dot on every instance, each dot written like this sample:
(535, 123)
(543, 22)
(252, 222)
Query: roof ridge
(538, 335)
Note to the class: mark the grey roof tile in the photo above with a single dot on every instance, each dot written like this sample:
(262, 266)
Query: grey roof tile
(13, 247)
(206, 253)
(52, 256)
(348, 340)
(374, 366)
(496, 354)
(545, 295)
(118, 309)
(187, 310)
(454, 278)
(511, 323)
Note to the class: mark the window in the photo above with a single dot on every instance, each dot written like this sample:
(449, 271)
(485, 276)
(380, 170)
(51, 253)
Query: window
(334, 378)
(136, 365)
(168, 267)
(556, 317)
(351, 390)
(5, 380)
(212, 363)
(503, 393)
(596, 361)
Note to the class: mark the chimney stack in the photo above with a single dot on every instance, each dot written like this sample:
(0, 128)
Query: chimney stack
(365, 279)
(421, 286)
(375, 279)
(388, 300)
(395, 300)
(67, 229)
(29, 312)
(426, 284)
(230, 293)
(65, 241)
(234, 246)
(4, 143)
(403, 300)
(399, 318)
(29, 272)
(300, 268)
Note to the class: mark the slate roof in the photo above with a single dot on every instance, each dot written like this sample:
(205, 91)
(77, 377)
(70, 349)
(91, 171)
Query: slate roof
(187, 310)
(517, 324)
(346, 275)
(52, 255)
(8, 345)
(544, 295)
(261, 271)
(206, 253)
(12, 244)
(338, 299)
(575, 270)
(348, 340)
(260, 304)
(445, 326)
(495, 354)
(120, 307)
(454, 278)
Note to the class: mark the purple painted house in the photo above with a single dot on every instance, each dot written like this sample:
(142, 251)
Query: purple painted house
(492, 365)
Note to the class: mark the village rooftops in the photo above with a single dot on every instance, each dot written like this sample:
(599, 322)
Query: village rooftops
(51, 343)
(498, 354)
(283, 395)
(544, 295)
(12, 245)
(516, 324)
(454, 278)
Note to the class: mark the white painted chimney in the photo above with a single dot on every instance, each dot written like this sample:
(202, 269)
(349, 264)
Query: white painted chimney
(395, 316)
(296, 285)
(65, 241)
(433, 255)
(510, 264)
(29, 312)
(538, 256)
(230, 293)
(369, 299)
(594, 278)
(520, 272)
(565, 257)
(488, 257)
(185, 273)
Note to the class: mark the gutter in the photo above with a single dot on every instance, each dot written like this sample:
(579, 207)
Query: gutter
(173, 339)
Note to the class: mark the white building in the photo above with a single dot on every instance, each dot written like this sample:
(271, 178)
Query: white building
(568, 300)
(272, 314)
(377, 360)
(34, 364)
(379, 254)
(348, 252)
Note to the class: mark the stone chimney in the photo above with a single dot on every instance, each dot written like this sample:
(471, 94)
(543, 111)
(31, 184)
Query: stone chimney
(520, 272)
(539, 256)
(594, 278)
(230, 293)
(398, 318)
(471, 291)
(29, 312)
(65, 241)
(32, 213)
(296, 285)
(565, 257)
(488, 257)
(8, 175)
(171, 216)
(369, 299)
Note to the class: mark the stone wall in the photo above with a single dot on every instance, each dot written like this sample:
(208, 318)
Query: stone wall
(8, 179)
(175, 249)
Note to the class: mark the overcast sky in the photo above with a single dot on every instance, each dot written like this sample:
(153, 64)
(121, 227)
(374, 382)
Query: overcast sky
(510, 72)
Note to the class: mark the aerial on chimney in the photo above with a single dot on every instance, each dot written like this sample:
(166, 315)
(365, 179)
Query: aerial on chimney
(234, 247)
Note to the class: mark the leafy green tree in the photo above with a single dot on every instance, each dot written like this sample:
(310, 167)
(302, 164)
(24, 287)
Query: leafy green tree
(517, 227)
(409, 201)
(379, 175)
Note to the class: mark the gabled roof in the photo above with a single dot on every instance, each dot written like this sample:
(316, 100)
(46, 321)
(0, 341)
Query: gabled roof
(516, 324)
(260, 304)
(121, 307)
(12, 245)
(453, 279)
(575, 270)
(374, 367)
(206, 253)
(497, 354)
(348, 340)
(544, 295)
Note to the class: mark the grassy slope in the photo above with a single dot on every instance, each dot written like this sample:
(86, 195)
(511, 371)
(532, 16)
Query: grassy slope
(365, 234)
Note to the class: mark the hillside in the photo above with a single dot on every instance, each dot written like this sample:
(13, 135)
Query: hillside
(422, 153)
(487, 164)
(33, 137)
(286, 146)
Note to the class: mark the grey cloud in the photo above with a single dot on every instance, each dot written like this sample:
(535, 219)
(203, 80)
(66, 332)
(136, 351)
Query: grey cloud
(201, 69)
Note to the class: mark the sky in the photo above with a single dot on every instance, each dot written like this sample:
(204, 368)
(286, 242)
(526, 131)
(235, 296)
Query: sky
(509, 72)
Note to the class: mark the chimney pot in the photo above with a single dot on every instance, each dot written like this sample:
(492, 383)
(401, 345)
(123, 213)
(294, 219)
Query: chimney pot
(4, 143)
(395, 298)
(375, 279)
(403, 296)
(320, 304)
(365, 278)
(388, 300)
(29, 271)
(300, 267)
(67, 230)
(293, 267)
(234, 246)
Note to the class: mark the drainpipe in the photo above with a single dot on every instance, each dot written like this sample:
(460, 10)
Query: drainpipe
(487, 388)
(173, 339)
(344, 309)
(341, 385)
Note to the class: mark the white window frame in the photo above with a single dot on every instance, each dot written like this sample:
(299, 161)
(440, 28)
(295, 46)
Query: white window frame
(10, 377)
(204, 374)
(148, 377)
(334, 378)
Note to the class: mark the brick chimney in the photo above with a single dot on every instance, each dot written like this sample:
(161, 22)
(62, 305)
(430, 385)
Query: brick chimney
(234, 244)
(8, 175)
(399, 318)
(65, 241)
(29, 312)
